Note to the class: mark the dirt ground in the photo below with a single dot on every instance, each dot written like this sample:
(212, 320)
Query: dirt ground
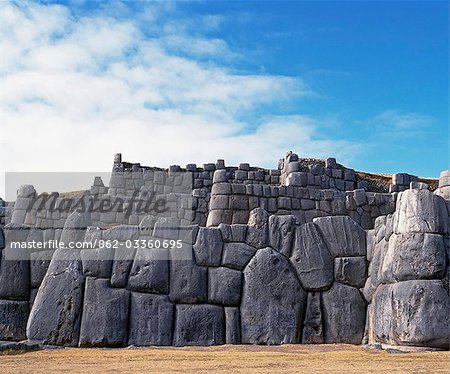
(227, 359)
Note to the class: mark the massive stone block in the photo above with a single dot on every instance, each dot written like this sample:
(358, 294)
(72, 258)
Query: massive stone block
(208, 246)
(350, 270)
(75, 227)
(343, 236)
(105, 315)
(39, 263)
(13, 319)
(199, 325)
(121, 266)
(188, 282)
(224, 286)
(97, 262)
(151, 320)
(273, 300)
(420, 211)
(56, 313)
(150, 271)
(414, 256)
(344, 313)
(258, 228)
(237, 255)
(232, 325)
(14, 273)
(312, 259)
(313, 323)
(281, 233)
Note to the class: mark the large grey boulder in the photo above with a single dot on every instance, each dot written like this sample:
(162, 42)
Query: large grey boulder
(350, 270)
(56, 313)
(208, 246)
(343, 236)
(199, 325)
(281, 233)
(105, 315)
(344, 314)
(150, 271)
(420, 211)
(151, 320)
(14, 273)
(13, 319)
(414, 256)
(313, 324)
(258, 228)
(237, 255)
(273, 300)
(224, 286)
(312, 259)
(39, 263)
(121, 266)
(188, 282)
(414, 313)
(97, 262)
(232, 325)
(75, 227)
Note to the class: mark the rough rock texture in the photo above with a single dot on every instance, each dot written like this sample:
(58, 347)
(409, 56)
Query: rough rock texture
(56, 313)
(121, 266)
(237, 255)
(13, 319)
(312, 259)
(224, 286)
(151, 318)
(14, 274)
(39, 263)
(188, 282)
(273, 300)
(208, 246)
(97, 262)
(350, 270)
(105, 315)
(258, 228)
(199, 325)
(232, 325)
(75, 227)
(313, 323)
(344, 314)
(281, 233)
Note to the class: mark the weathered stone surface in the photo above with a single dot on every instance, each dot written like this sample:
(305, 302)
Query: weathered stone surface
(312, 259)
(188, 282)
(414, 256)
(350, 270)
(39, 263)
(13, 319)
(199, 325)
(224, 286)
(412, 313)
(281, 233)
(208, 246)
(150, 271)
(343, 236)
(272, 301)
(420, 211)
(56, 313)
(258, 228)
(75, 227)
(105, 315)
(344, 314)
(237, 255)
(313, 323)
(97, 262)
(232, 325)
(122, 233)
(151, 320)
(121, 266)
(14, 273)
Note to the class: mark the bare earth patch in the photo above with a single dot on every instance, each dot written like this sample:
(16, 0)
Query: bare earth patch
(225, 359)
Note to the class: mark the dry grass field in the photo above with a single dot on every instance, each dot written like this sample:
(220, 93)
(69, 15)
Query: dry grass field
(227, 359)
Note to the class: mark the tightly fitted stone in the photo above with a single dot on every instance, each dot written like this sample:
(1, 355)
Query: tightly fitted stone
(105, 315)
(39, 263)
(151, 320)
(343, 236)
(13, 319)
(237, 255)
(188, 282)
(232, 325)
(258, 228)
(97, 262)
(121, 266)
(350, 270)
(14, 273)
(56, 313)
(208, 246)
(199, 325)
(281, 233)
(224, 286)
(312, 259)
(313, 324)
(75, 227)
(273, 300)
(344, 314)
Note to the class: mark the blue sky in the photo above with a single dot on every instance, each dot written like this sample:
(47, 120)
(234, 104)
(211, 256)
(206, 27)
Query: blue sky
(180, 82)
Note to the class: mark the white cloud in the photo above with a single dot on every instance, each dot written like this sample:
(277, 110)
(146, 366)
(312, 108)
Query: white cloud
(74, 90)
(396, 120)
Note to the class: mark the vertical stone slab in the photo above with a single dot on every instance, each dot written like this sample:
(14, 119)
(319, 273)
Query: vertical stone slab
(313, 323)
(232, 325)
(224, 286)
(258, 228)
(188, 282)
(208, 246)
(281, 233)
(13, 319)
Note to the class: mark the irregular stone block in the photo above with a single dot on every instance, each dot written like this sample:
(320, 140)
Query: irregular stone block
(281, 233)
(313, 323)
(75, 227)
(312, 259)
(121, 266)
(13, 319)
(150, 271)
(199, 325)
(273, 300)
(350, 270)
(237, 255)
(56, 313)
(258, 228)
(97, 262)
(420, 211)
(232, 325)
(208, 246)
(14, 273)
(344, 313)
(188, 282)
(414, 256)
(224, 286)
(151, 320)
(105, 315)
(343, 236)
(39, 263)
(122, 233)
